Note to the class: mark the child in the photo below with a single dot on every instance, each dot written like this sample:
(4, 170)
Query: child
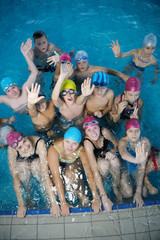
(100, 101)
(27, 156)
(102, 161)
(134, 151)
(67, 158)
(42, 50)
(71, 112)
(83, 70)
(5, 129)
(16, 97)
(128, 105)
(141, 57)
(42, 112)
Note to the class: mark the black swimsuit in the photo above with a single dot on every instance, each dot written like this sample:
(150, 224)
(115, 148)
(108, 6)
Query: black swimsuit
(30, 158)
(100, 152)
(127, 112)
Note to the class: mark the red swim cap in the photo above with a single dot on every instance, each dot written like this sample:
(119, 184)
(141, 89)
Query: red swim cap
(89, 121)
(133, 84)
(65, 57)
(13, 138)
(132, 123)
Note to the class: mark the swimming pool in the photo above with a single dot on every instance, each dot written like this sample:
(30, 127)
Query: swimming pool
(87, 25)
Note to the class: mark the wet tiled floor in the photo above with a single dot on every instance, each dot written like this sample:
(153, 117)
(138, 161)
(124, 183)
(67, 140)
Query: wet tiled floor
(121, 224)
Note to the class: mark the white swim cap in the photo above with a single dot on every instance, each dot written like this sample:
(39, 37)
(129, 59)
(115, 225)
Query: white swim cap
(81, 56)
(150, 40)
(3, 133)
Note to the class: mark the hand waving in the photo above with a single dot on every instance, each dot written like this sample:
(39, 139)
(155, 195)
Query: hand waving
(53, 59)
(115, 48)
(86, 88)
(25, 47)
(141, 154)
(33, 94)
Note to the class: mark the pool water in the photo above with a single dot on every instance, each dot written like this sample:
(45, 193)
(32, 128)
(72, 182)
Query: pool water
(80, 25)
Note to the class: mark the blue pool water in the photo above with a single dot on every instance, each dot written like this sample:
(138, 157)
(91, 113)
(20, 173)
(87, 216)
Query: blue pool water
(88, 25)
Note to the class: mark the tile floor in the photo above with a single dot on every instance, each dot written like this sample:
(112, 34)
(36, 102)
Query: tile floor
(121, 224)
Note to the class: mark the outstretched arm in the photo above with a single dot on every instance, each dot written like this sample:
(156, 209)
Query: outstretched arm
(25, 48)
(86, 90)
(65, 71)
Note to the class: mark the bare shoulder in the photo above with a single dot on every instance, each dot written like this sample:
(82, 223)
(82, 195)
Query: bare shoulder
(4, 99)
(51, 45)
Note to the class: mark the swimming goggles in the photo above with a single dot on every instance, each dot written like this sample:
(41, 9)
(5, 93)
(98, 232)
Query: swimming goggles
(68, 62)
(100, 84)
(19, 139)
(70, 91)
(8, 86)
(84, 58)
(93, 122)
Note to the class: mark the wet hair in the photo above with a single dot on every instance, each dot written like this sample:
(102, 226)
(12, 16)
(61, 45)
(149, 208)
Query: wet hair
(39, 34)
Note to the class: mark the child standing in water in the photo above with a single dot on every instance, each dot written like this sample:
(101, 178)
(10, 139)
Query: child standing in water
(141, 57)
(128, 105)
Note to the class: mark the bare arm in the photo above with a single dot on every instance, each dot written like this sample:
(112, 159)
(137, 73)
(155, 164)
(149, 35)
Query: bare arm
(25, 48)
(21, 212)
(55, 210)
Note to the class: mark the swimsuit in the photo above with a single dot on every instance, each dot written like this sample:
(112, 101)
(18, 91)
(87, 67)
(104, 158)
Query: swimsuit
(152, 156)
(127, 112)
(65, 162)
(30, 158)
(133, 62)
(100, 152)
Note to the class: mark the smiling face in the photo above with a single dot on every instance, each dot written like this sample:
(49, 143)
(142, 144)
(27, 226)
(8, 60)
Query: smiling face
(82, 65)
(93, 132)
(41, 44)
(70, 146)
(100, 91)
(70, 96)
(149, 50)
(13, 91)
(24, 146)
(133, 134)
(131, 97)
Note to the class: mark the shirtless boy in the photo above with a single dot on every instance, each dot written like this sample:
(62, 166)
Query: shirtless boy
(100, 101)
(42, 112)
(16, 97)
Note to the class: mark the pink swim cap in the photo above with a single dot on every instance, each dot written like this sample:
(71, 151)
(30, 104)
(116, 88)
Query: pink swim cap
(133, 84)
(65, 57)
(89, 121)
(132, 123)
(13, 138)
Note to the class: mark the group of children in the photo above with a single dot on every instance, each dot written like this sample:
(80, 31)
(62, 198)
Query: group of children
(79, 100)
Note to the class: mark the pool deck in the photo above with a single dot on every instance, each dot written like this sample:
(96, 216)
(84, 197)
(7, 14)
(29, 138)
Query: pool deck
(121, 224)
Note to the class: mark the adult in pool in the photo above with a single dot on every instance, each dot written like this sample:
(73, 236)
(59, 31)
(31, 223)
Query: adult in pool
(129, 104)
(68, 155)
(101, 159)
(142, 58)
(16, 97)
(27, 156)
(134, 150)
(42, 111)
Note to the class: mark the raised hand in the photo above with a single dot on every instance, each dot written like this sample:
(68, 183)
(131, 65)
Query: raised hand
(122, 106)
(53, 59)
(86, 88)
(115, 48)
(141, 154)
(98, 114)
(33, 94)
(135, 113)
(25, 47)
(66, 69)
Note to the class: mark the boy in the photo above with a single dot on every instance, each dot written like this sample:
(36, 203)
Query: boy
(41, 111)
(16, 97)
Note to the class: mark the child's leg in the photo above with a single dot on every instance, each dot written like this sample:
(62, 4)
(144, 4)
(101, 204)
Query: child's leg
(126, 187)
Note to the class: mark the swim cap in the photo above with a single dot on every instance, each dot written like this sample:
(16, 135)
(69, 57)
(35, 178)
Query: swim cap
(13, 138)
(132, 123)
(74, 134)
(89, 121)
(68, 84)
(150, 40)
(81, 56)
(133, 84)
(6, 83)
(3, 133)
(100, 79)
(65, 57)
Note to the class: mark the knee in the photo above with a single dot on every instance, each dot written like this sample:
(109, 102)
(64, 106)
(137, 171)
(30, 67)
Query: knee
(103, 167)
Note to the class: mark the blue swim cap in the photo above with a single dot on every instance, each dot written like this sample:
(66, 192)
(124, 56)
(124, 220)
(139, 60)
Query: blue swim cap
(74, 134)
(41, 93)
(6, 83)
(100, 79)
(81, 56)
